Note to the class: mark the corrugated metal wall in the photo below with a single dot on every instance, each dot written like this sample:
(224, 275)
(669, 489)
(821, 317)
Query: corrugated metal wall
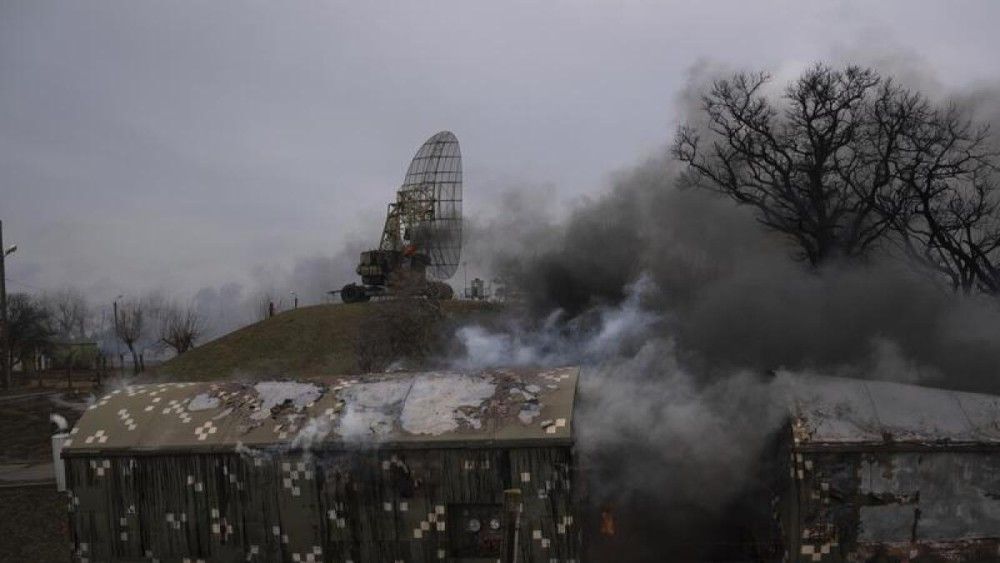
(375, 505)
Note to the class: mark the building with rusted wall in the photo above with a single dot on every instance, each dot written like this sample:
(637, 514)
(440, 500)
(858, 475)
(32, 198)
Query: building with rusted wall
(880, 471)
(396, 467)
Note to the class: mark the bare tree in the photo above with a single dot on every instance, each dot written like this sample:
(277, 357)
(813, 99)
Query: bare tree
(30, 328)
(947, 202)
(130, 327)
(180, 327)
(814, 166)
(852, 159)
(405, 328)
(69, 311)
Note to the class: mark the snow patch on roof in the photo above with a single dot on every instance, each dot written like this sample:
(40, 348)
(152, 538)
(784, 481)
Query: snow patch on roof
(370, 408)
(275, 393)
(433, 404)
(203, 402)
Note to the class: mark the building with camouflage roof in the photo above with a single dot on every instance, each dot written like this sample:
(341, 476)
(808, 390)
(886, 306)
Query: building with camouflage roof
(396, 467)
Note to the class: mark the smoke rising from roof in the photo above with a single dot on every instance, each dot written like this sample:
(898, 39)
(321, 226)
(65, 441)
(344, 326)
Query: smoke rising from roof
(681, 304)
(731, 296)
(667, 452)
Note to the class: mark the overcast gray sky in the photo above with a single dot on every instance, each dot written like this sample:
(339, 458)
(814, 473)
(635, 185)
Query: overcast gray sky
(179, 145)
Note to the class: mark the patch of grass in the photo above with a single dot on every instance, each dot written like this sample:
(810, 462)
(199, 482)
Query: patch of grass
(309, 341)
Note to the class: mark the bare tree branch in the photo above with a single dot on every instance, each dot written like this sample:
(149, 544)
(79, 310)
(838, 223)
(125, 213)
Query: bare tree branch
(813, 167)
(69, 311)
(180, 327)
(850, 159)
(130, 327)
(949, 206)
(30, 326)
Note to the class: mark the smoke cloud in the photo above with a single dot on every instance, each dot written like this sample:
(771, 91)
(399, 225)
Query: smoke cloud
(234, 304)
(690, 320)
(665, 451)
(730, 294)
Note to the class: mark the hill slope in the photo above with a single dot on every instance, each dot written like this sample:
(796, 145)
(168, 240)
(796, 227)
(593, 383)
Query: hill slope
(317, 340)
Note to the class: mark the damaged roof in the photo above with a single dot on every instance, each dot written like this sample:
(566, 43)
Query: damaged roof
(434, 409)
(833, 412)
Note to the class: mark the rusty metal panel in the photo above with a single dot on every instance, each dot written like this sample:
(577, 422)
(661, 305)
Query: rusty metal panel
(890, 472)
(836, 518)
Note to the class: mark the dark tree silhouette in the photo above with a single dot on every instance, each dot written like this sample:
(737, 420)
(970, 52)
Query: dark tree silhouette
(30, 327)
(813, 166)
(848, 160)
(180, 327)
(69, 311)
(946, 205)
(131, 324)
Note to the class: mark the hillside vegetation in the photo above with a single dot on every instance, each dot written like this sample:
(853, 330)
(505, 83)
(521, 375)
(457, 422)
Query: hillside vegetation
(309, 341)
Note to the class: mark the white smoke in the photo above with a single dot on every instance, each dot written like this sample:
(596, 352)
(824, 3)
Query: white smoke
(606, 333)
(312, 435)
(634, 391)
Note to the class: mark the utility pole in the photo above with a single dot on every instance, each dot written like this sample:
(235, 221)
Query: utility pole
(118, 349)
(3, 306)
(4, 253)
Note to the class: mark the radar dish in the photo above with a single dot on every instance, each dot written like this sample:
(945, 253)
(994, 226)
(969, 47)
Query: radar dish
(434, 183)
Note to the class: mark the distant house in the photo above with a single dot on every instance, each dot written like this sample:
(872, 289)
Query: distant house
(79, 354)
(402, 467)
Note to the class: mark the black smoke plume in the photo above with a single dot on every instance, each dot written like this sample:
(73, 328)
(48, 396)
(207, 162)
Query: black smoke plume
(689, 318)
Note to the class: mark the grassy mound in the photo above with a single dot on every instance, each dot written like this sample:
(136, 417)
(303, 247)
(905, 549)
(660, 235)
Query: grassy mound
(309, 341)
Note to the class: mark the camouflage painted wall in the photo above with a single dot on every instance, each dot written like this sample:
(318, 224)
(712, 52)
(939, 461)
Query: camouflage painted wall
(893, 506)
(375, 505)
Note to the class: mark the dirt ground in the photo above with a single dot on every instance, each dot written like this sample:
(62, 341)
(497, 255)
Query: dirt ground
(25, 428)
(33, 519)
(34, 525)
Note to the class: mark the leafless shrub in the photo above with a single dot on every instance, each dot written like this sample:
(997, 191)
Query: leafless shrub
(404, 328)
(130, 326)
(180, 327)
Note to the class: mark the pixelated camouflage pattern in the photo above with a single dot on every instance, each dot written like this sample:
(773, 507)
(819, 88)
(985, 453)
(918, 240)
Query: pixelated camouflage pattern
(160, 492)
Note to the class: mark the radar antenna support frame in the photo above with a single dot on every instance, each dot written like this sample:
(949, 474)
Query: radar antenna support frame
(422, 234)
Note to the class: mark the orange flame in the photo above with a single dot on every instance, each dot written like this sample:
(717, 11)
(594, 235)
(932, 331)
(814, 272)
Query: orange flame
(607, 522)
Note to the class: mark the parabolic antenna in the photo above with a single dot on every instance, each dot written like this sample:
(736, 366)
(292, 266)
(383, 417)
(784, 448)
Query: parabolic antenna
(422, 237)
(431, 204)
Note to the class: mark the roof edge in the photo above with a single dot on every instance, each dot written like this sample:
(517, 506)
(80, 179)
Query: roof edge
(276, 448)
